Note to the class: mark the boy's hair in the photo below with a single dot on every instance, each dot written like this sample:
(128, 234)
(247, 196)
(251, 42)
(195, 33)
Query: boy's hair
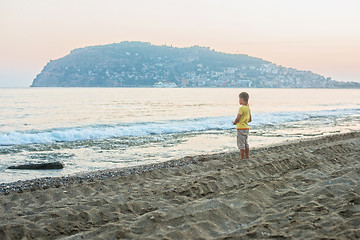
(245, 96)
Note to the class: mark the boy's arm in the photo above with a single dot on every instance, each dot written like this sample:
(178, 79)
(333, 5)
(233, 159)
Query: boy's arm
(250, 118)
(237, 119)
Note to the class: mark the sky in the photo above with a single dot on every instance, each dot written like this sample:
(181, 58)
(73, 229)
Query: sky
(322, 36)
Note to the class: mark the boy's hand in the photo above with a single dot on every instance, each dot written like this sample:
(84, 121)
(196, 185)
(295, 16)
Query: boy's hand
(237, 119)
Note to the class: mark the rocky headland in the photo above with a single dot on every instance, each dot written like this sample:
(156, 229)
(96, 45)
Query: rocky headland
(141, 64)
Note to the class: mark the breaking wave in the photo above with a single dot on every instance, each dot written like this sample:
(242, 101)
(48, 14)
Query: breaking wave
(157, 128)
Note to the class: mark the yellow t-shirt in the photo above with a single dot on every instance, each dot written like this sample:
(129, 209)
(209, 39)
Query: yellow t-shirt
(245, 117)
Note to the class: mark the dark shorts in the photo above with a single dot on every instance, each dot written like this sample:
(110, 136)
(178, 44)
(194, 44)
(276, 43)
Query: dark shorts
(242, 139)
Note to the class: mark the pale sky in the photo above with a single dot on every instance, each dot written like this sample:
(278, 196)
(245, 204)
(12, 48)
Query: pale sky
(322, 36)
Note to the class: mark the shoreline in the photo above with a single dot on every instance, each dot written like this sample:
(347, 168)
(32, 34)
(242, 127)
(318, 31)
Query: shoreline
(78, 178)
(304, 189)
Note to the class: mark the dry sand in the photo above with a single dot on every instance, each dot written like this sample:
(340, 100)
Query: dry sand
(304, 190)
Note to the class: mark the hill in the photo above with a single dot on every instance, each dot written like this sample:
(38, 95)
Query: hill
(141, 64)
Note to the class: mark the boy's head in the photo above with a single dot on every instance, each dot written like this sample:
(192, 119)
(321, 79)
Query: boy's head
(243, 98)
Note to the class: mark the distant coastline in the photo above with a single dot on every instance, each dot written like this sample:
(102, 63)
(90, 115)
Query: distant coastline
(141, 64)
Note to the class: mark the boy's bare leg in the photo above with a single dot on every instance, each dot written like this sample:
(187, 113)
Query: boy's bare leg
(242, 154)
(247, 151)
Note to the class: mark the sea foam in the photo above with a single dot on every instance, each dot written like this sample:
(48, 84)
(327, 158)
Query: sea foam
(157, 128)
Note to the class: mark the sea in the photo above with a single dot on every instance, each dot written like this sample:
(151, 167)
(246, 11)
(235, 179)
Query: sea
(93, 129)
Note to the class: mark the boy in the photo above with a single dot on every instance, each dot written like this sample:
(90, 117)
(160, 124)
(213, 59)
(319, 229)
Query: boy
(241, 122)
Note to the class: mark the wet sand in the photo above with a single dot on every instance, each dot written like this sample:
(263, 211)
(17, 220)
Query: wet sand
(303, 190)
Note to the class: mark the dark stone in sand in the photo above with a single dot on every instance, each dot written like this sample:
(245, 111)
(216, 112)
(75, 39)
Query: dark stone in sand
(39, 166)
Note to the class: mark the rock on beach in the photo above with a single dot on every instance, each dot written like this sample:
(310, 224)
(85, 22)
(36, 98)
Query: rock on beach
(39, 166)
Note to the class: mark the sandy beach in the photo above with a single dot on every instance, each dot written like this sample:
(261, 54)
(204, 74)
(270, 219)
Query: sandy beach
(301, 190)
